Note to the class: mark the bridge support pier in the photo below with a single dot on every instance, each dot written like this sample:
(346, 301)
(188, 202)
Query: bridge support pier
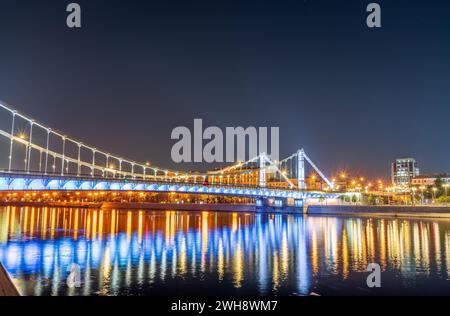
(260, 202)
(301, 169)
(279, 203)
(298, 203)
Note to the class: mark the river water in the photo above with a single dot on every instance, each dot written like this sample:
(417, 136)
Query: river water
(124, 252)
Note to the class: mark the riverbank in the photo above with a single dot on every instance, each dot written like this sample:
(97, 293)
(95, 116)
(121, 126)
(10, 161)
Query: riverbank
(385, 210)
(179, 207)
(54, 204)
(354, 210)
(248, 208)
(7, 287)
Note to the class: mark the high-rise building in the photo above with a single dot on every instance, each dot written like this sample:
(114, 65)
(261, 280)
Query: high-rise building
(403, 170)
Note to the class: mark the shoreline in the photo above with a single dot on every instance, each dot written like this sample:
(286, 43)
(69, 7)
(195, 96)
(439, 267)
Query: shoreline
(245, 208)
(384, 210)
(338, 210)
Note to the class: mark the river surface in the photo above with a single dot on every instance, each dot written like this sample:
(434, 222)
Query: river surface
(124, 252)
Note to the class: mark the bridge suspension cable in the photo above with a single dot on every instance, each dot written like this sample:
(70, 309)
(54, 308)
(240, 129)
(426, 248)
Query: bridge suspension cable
(48, 151)
(53, 138)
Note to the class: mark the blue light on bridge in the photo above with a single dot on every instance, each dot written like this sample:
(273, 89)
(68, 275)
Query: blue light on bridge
(259, 202)
(278, 203)
(41, 184)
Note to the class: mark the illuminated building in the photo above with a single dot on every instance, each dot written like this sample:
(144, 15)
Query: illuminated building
(430, 179)
(403, 170)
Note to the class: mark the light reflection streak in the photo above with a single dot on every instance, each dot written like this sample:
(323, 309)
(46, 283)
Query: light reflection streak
(238, 266)
(447, 253)
(220, 261)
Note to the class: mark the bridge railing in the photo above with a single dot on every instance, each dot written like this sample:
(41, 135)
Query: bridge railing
(74, 177)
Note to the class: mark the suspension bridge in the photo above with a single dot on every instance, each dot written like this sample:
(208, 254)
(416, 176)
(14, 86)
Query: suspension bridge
(35, 157)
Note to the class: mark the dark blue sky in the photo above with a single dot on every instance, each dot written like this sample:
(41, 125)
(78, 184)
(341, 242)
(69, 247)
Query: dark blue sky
(353, 97)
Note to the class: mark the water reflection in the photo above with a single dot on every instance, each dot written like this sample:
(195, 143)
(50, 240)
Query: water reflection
(158, 253)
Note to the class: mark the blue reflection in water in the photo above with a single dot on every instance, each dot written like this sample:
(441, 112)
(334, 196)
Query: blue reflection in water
(212, 253)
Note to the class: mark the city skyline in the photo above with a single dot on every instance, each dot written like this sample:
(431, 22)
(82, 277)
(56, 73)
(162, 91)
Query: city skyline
(349, 95)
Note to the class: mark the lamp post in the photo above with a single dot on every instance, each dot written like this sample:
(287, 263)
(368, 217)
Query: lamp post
(413, 189)
(63, 154)
(94, 150)
(79, 160)
(434, 194)
(421, 190)
(112, 168)
(28, 152)
(446, 188)
(12, 140)
(107, 164)
(389, 195)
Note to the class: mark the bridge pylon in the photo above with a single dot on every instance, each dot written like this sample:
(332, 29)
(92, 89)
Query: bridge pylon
(262, 170)
(301, 169)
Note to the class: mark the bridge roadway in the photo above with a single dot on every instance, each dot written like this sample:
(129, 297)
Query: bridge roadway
(20, 181)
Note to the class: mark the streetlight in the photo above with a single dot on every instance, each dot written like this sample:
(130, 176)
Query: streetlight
(446, 187)
(421, 190)
(413, 189)
(389, 190)
(434, 194)
(113, 168)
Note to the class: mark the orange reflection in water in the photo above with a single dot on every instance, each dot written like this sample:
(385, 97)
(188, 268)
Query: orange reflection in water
(273, 253)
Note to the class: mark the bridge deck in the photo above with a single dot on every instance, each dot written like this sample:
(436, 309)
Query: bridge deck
(36, 182)
(150, 180)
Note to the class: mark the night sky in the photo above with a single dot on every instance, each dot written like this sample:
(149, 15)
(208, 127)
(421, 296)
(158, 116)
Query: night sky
(353, 97)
